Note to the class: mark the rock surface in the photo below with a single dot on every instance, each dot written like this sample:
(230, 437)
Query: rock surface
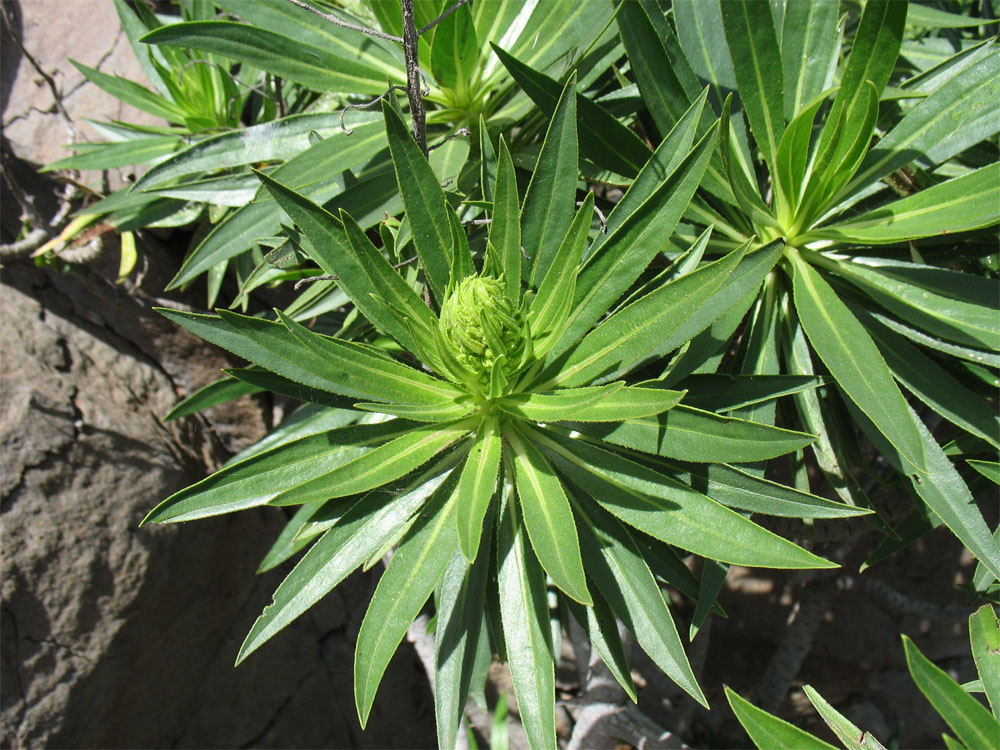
(115, 635)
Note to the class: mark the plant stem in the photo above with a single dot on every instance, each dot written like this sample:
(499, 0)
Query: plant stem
(410, 49)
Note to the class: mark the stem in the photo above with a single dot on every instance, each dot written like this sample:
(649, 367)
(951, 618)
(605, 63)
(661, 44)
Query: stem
(352, 26)
(410, 50)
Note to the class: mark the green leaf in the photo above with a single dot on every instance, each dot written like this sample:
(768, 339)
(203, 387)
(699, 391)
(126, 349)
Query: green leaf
(794, 153)
(505, 230)
(954, 117)
(292, 59)
(547, 210)
(668, 510)
(636, 331)
(445, 411)
(376, 467)
(602, 403)
(810, 48)
(744, 185)
(713, 576)
(278, 140)
(756, 55)
(286, 546)
(342, 249)
(477, 485)
(769, 732)
(873, 57)
(455, 50)
(414, 571)
(989, 469)
(132, 93)
(944, 491)
(220, 392)
(460, 604)
(524, 610)
(550, 306)
(971, 201)
(425, 203)
(722, 392)
(854, 361)
(548, 517)
(601, 626)
(929, 17)
(268, 381)
(616, 566)
(935, 386)
(735, 488)
(695, 435)
(123, 154)
(261, 478)
(984, 632)
(654, 205)
(315, 173)
(357, 535)
(703, 38)
(848, 734)
(603, 139)
(953, 319)
(966, 716)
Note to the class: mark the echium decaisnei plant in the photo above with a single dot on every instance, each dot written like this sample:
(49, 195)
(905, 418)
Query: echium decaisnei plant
(883, 187)
(516, 450)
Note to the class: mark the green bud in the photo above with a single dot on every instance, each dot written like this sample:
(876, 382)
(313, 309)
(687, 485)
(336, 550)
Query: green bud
(480, 324)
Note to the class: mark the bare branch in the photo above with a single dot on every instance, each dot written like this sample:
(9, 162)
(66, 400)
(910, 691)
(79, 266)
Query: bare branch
(352, 26)
(443, 16)
(366, 105)
(413, 89)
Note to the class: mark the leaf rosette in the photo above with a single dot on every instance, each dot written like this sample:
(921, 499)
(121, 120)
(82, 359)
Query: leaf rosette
(517, 443)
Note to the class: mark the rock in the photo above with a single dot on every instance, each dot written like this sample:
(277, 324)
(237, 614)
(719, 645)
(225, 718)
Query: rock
(120, 636)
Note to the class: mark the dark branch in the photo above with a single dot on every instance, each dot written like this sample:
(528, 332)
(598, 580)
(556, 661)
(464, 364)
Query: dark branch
(443, 16)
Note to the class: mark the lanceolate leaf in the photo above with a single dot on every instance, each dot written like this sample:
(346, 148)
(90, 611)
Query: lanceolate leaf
(552, 302)
(426, 208)
(315, 173)
(213, 394)
(603, 139)
(971, 201)
(372, 469)
(477, 485)
(636, 238)
(848, 734)
(363, 273)
(944, 491)
(525, 613)
(810, 46)
(261, 478)
(953, 319)
(340, 367)
(623, 578)
(955, 116)
(314, 67)
(602, 403)
(460, 604)
(505, 229)
(416, 567)
(936, 387)
(757, 64)
(547, 517)
(984, 632)
(547, 210)
(966, 716)
(695, 435)
(769, 732)
(454, 50)
(280, 139)
(341, 550)
(632, 333)
(853, 360)
(669, 511)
